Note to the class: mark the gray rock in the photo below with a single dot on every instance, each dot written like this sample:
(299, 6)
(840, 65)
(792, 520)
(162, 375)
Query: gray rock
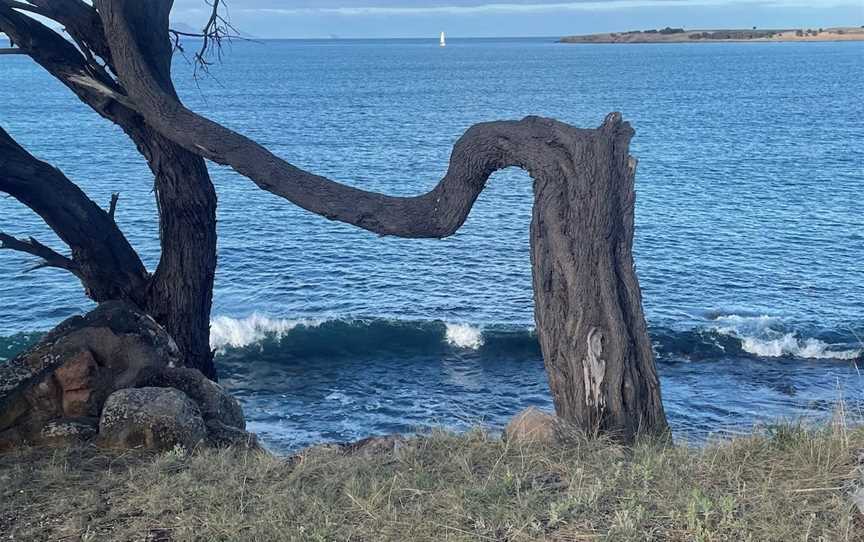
(376, 446)
(157, 419)
(212, 399)
(220, 435)
(66, 431)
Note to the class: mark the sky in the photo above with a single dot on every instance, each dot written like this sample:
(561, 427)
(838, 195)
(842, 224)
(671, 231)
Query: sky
(516, 18)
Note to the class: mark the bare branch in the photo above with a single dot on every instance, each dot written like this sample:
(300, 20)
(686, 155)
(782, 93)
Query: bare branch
(217, 31)
(102, 258)
(112, 207)
(23, 6)
(50, 257)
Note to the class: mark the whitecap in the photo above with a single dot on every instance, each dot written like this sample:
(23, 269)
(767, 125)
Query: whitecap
(791, 345)
(464, 336)
(764, 336)
(227, 332)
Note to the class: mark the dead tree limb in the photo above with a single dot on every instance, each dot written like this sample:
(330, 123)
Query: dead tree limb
(49, 257)
(102, 258)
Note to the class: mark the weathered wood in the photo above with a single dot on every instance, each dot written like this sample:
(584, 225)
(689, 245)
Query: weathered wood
(11, 51)
(587, 300)
(102, 258)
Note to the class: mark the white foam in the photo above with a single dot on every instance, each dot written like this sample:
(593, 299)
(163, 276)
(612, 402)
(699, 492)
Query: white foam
(227, 332)
(464, 336)
(759, 336)
(790, 345)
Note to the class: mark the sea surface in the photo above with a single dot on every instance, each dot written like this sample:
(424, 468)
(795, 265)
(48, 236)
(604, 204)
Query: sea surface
(749, 239)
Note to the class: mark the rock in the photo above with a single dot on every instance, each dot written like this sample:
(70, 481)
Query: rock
(74, 368)
(67, 431)
(75, 379)
(376, 446)
(212, 399)
(222, 414)
(220, 435)
(533, 426)
(158, 419)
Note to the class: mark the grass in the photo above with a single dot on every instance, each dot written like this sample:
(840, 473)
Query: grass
(786, 483)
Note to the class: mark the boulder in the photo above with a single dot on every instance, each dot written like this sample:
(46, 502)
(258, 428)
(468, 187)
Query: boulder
(212, 399)
(157, 419)
(67, 431)
(533, 426)
(375, 446)
(114, 371)
(220, 435)
(71, 372)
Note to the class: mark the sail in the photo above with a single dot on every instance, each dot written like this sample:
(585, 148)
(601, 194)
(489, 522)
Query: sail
(443, 41)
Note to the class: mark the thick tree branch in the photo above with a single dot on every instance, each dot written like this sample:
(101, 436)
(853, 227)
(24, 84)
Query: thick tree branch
(50, 257)
(79, 19)
(102, 258)
(484, 149)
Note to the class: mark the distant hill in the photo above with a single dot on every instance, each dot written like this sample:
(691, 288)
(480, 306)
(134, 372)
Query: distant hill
(680, 35)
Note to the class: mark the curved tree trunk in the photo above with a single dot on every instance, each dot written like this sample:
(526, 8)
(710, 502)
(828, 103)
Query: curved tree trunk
(588, 305)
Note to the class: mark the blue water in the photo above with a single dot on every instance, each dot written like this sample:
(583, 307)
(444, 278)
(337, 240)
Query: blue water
(748, 244)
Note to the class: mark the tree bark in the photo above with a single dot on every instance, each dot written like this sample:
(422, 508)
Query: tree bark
(180, 293)
(588, 304)
(587, 300)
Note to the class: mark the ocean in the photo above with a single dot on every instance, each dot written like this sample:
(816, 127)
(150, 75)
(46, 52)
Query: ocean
(749, 230)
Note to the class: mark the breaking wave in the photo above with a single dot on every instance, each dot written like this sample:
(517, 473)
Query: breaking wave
(767, 337)
(272, 338)
(722, 336)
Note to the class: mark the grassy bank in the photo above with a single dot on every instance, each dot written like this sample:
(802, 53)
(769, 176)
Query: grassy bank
(784, 484)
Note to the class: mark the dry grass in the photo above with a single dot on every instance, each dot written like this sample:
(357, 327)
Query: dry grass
(786, 483)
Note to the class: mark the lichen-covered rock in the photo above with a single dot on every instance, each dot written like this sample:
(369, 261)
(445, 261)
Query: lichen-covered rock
(220, 435)
(158, 419)
(74, 368)
(66, 431)
(533, 426)
(375, 446)
(212, 399)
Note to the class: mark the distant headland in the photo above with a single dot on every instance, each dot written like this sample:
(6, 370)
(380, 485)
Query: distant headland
(680, 35)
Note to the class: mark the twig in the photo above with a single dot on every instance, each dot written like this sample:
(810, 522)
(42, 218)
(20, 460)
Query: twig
(112, 207)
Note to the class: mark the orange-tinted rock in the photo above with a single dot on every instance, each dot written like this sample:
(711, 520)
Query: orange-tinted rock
(76, 379)
(533, 426)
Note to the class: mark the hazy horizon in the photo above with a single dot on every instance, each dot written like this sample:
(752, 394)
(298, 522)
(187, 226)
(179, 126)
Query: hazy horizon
(305, 19)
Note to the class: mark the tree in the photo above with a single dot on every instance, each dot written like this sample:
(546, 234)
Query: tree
(179, 293)
(587, 299)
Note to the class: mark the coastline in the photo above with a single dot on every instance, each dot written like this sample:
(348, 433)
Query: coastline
(679, 35)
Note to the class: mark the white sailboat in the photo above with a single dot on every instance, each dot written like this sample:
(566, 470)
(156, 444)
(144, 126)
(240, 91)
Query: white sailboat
(443, 40)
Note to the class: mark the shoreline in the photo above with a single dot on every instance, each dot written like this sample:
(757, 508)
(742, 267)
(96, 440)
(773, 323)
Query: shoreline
(679, 35)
